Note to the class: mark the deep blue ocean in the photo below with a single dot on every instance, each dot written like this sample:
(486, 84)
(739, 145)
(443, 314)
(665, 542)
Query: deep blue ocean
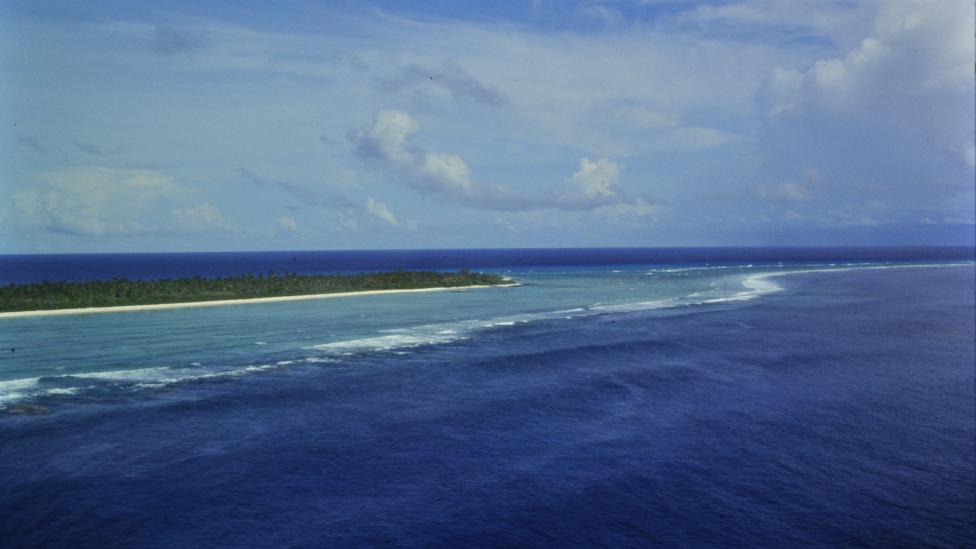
(75, 267)
(629, 397)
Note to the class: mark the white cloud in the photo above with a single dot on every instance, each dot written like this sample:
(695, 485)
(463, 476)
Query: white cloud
(387, 141)
(91, 200)
(594, 187)
(914, 49)
(380, 211)
(202, 217)
(883, 119)
(968, 153)
(597, 178)
(594, 183)
(876, 96)
(448, 172)
(639, 207)
(287, 224)
(387, 137)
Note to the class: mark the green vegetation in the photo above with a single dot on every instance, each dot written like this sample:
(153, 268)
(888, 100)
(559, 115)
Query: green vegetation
(119, 291)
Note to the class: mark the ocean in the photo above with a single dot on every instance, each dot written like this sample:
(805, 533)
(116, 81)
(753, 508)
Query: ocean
(617, 397)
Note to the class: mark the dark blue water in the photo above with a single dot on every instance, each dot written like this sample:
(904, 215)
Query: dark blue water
(839, 412)
(76, 267)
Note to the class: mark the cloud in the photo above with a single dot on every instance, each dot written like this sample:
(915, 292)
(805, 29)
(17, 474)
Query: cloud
(449, 76)
(914, 51)
(386, 138)
(446, 172)
(637, 129)
(875, 96)
(597, 178)
(108, 202)
(93, 201)
(387, 142)
(380, 211)
(34, 145)
(93, 150)
(785, 192)
(785, 23)
(202, 217)
(885, 118)
(287, 224)
(305, 195)
(639, 206)
(348, 215)
(594, 186)
(967, 151)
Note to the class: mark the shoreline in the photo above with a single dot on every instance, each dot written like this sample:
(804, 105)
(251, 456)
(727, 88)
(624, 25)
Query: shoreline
(245, 301)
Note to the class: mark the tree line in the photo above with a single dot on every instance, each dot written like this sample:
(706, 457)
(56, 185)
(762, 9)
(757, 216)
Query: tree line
(121, 291)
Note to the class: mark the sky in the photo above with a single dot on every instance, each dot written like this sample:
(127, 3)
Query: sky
(206, 126)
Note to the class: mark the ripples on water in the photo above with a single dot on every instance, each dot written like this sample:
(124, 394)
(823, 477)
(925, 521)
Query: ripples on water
(839, 411)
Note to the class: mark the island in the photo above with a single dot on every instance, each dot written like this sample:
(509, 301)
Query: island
(120, 294)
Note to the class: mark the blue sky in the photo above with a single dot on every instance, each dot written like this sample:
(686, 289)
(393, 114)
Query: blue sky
(185, 126)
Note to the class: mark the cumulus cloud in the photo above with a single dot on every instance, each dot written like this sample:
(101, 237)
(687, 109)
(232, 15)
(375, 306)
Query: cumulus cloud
(885, 118)
(386, 142)
(915, 54)
(446, 172)
(875, 96)
(597, 178)
(94, 201)
(347, 214)
(594, 186)
(380, 211)
(386, 138)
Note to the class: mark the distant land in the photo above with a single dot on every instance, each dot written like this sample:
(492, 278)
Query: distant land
(121, 292)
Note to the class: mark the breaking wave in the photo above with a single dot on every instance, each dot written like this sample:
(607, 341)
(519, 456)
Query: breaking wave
(398, 340)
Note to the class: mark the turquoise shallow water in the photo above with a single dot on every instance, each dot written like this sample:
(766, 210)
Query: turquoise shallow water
(62, 355)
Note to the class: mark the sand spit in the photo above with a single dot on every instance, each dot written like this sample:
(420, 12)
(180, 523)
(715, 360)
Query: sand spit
(161, 306)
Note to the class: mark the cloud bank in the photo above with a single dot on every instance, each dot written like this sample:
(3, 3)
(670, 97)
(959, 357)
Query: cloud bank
(885, 128)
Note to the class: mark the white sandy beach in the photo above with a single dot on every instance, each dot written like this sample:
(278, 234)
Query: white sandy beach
(160, 306)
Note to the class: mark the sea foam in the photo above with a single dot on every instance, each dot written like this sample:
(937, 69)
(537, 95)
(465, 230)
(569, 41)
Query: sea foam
(397, 339)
